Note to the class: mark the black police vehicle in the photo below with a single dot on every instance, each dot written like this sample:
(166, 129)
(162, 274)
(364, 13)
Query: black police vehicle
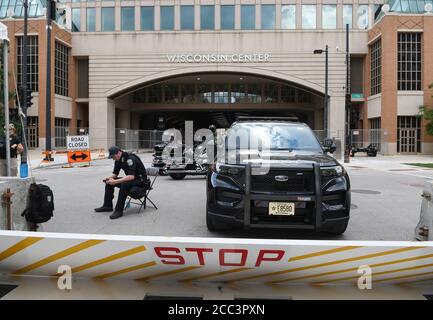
(291, 184)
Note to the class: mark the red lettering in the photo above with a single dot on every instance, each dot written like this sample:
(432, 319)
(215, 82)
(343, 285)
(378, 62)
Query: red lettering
(159, 250)
(278, 255)
(243, 252)
(200, 252)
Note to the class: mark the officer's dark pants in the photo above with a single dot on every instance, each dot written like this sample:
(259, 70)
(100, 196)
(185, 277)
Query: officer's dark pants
(123, 194)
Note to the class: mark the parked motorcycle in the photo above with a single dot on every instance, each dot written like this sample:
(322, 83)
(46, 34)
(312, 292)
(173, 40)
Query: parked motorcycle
(371, 150)
(193, 161)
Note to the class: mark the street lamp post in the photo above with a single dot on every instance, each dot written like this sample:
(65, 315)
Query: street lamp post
(325, 102)
(24, 103)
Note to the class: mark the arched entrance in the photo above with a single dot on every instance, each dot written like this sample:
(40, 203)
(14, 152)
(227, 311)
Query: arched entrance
(217, 98)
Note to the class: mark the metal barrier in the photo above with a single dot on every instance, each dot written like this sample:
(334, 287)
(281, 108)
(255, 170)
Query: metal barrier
(130, 139)
(222, 262)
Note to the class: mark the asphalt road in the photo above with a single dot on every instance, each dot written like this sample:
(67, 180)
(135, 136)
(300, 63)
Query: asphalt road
(385, 206)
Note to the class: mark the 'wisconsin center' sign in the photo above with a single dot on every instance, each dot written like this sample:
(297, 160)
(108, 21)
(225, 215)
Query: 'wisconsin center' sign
(219, 58)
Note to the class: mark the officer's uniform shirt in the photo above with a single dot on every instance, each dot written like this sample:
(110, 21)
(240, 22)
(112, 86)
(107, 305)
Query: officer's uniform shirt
(127, 164)
(14, 140)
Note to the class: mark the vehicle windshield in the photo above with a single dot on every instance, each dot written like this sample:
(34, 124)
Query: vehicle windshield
(280, 136)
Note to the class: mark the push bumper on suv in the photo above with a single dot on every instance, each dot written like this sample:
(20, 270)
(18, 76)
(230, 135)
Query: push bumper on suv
(244, 201)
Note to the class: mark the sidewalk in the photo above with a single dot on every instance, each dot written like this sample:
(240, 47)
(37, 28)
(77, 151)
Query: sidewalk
(61, 158)
(393, 164)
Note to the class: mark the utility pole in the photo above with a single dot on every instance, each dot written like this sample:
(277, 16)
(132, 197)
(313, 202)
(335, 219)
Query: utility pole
(50, 10)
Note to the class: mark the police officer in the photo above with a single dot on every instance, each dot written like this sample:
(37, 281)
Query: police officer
(16, 148)
(135, 175)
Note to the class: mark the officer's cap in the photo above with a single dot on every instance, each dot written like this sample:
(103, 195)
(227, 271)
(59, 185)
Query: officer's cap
(112, 151)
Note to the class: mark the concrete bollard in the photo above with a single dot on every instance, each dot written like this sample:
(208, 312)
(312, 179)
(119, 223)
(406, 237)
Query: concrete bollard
(424, 229)
(20, 189)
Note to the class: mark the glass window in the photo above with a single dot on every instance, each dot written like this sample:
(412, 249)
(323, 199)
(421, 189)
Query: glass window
(204, 93)
(347, 15)
(187, 92)
(75, 19)
(248, 17)
(147, 16)
(128, 18)
(308, 16)
(329, 16)
(254, 93)
(155, 94)
(61, 70)
(362, 17)
(167, 18)
(186, 17)
(207, 17)
(91, 19)
(376, 67)
(221, 94)
(288, 94)
(409, 61)
(32, 62)
(268, 16)
(171, 93)
(227, 17)
(107, 19)
(271, 93)
(238, 93)
(288, 17)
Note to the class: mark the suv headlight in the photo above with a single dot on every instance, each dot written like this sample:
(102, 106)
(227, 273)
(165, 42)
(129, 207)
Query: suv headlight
(329, 173)
(225, 169)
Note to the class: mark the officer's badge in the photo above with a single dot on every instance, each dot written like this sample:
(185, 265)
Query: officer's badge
(129, 162)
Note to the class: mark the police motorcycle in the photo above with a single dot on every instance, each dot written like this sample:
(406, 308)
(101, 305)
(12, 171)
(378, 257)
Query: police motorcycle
(193, 161)
(157, 161)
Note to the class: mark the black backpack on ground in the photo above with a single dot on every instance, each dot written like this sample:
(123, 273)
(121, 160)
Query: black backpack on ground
(41, 204)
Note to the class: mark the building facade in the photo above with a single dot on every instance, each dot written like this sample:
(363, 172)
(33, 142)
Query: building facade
(147, 65)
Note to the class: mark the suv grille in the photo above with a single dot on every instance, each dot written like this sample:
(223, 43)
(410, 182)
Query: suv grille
(297, 181)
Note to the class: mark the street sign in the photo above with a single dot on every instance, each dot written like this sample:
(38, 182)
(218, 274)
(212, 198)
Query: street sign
(79, 156)
(77, 142)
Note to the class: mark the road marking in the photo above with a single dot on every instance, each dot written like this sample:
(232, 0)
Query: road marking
(25, 243)
(330, 263)
(82, 246)
(126, 270)
(222, 273)
(353, 269)
(113, 257)
(167, 273)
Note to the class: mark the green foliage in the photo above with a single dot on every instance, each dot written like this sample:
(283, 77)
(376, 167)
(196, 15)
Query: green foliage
(427, 114)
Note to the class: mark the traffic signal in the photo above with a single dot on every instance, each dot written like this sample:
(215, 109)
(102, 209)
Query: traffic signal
(29, 99)
(53, 12)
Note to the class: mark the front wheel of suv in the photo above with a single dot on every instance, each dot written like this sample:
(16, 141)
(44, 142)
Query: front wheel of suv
(338, 228)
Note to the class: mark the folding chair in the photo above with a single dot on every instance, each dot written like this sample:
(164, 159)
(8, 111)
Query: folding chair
(151, 172)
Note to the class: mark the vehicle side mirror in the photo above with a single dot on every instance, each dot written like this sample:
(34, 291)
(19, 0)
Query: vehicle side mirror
(329, 146)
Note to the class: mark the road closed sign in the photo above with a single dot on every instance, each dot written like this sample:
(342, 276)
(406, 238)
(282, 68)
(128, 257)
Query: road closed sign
(79, 156)
(77, 142)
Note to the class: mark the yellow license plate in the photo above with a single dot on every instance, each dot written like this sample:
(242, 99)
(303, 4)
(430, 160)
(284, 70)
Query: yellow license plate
(281, 208)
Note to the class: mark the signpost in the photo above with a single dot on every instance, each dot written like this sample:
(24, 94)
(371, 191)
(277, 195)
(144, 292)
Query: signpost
(78, 149)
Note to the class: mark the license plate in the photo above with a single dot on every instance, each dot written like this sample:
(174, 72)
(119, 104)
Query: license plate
(281, 208)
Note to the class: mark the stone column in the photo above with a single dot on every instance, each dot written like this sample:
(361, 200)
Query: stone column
(101, 123)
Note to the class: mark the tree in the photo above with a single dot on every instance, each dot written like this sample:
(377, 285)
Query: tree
(427, 114)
